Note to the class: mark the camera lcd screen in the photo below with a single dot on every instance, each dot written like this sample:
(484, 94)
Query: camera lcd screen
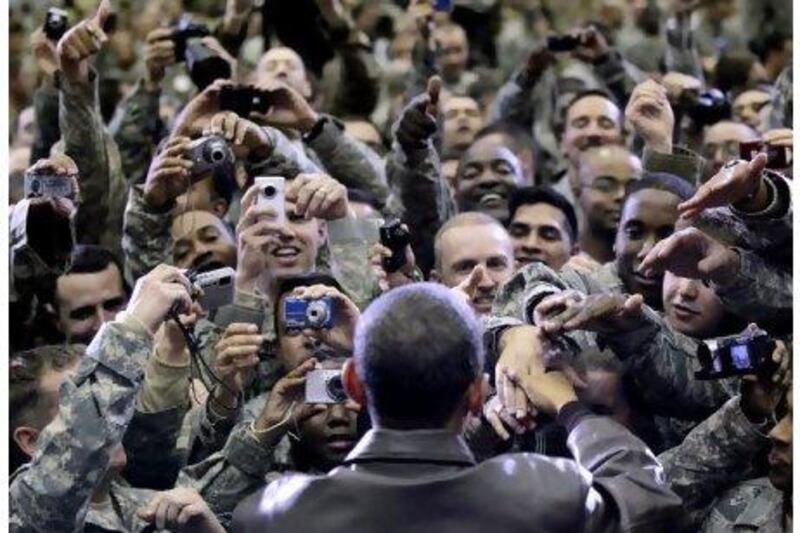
(740, 356)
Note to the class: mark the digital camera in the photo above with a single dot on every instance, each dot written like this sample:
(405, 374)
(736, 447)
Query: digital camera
(778, 157)
(325, 386)
(737, 355)
(217, 287)
(395, 237)
(708, 107)
(244, 100)
(48, 185)
(203, 63)
(563, 43)
(208, 154)
(55, 24)
(308, 314)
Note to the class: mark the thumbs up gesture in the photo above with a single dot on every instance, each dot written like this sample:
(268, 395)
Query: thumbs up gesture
(417, 122)
(82, 41)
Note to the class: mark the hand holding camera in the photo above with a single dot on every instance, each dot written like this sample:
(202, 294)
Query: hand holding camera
(248, 139)
(417, 123)
(287, 108)
(236, 354)
(194, 118)
(323, 312)
(690, 253)
(571, 310)
(170, 173)
(159, 53)
(162, 290)
(170, 343)
(393, 259)
(740, 184)
(650, 114)
(762, 392)
(83, 41)
(318, 196)
(286, 407)
(587, 44)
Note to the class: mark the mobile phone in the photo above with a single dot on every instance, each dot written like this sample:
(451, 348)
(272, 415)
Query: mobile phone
(271, 193)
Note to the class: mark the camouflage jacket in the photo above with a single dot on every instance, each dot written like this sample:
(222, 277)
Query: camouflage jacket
(137, 129)
(102, 183)
(47, 133)
(714, 456)
(783, 104)
(53, 492)
(420, 197)
(753, 505)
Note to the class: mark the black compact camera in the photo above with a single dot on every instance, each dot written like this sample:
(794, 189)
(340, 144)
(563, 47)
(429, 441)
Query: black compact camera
(708, 107)
(244, 100)
(563, 43)
(778, 157)
(395, 237)
(738, 355)
(55, 24)
(209, 154)
(204, 65)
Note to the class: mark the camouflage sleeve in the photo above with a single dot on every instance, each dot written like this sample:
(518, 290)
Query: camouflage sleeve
(146, 240)
(681, 162)
(662, 363)
(47, 132)
(228, 476)
(760, 293)
(772, 226)
(783, 104)
(714, 456)
(350, 80)
(135, 128)
(347, 160)
(94, 410)
(424, 195)
(681, 53)
(102, 183)
(513, 103)
(166, 386)
(288, 159)
(349, 241)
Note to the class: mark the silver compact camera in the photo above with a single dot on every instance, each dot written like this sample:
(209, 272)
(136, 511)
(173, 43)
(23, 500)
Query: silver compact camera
(209, 153)
(325, 386)
(48, 185)
(217, 287)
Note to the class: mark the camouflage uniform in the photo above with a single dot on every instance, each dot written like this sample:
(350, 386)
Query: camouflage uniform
(753, 505)
(52, 493)
(45, 105)
(783, 104)
(716, 455)
(137, 130)
(102, 183)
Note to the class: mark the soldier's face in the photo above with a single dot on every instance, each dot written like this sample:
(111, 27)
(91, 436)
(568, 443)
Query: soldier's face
(691, 307)
(283, 65)
(463, 248)
(294, 250)
(200, 237)
(88, 300)
(328, 437)
(488, 172)
(453, 52)
(591, 121)
(462, 120)
(648, 216)
(721, 143)
(780, 458)
(603, 176)
(540, 232)
(753, 108)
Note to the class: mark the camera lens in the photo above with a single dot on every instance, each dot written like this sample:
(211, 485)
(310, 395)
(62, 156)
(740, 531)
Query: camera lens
(217, 154)
(317, 313)
(270, 191)
(335, 388)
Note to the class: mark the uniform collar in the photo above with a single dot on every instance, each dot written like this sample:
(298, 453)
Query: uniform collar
(418, 446)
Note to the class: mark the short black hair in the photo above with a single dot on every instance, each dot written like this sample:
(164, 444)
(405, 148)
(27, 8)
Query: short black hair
(26, 407)
(289, 284)
(417, 350)
(544, 195)
(660, 181)
(85, 259)
(223, 179)
(591, 92)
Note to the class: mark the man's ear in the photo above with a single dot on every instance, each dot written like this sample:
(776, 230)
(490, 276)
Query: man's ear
(52, 316)
(477, 393)
(434, 276)
(576, 248)
(352, 383)
(25, 437)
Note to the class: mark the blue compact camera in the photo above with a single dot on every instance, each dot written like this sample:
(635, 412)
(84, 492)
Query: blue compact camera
(308, 314)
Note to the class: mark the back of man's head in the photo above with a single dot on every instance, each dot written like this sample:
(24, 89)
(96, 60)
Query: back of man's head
(417, 350)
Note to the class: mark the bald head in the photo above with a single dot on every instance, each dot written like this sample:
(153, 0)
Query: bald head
(721, 143)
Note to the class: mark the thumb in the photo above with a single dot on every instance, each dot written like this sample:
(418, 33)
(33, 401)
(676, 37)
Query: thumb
(633, 305)
(473, 280)
(757, 165)
(434, 88)
(104, 10)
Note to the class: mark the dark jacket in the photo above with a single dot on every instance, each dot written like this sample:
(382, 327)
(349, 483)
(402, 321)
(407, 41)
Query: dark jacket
(428, 480)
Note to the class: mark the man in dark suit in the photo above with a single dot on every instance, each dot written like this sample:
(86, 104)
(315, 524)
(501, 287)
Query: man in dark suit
(417, 367)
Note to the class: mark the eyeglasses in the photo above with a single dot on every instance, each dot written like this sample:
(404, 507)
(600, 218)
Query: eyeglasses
(729, 149)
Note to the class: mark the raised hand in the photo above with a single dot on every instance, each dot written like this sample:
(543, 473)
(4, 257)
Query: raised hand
(157, 293)
(345, 316)
(159, 53)
(571, 310)
(318, 196)
(247, 139)
(81, 42)
(169, 174)
(417, 122)
(650, 115)
(741, 183)
(288, 109)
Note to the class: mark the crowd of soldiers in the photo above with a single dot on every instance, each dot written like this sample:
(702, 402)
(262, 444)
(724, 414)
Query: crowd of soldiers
(589, 200)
